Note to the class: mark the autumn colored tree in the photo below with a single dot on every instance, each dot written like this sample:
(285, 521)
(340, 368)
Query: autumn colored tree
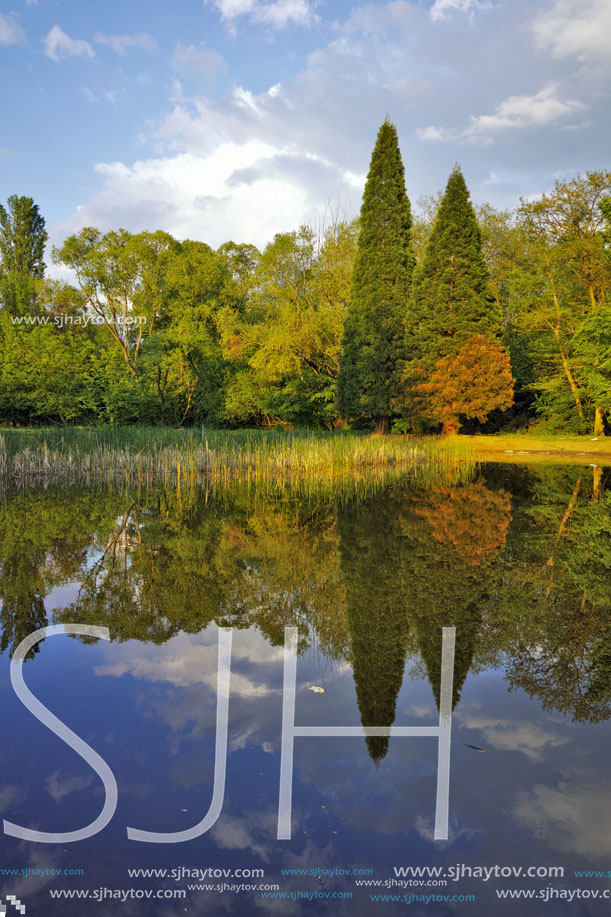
(373, 340)
(471, 383)
(452, 569)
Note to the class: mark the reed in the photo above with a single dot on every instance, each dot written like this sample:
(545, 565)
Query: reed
(136, 455)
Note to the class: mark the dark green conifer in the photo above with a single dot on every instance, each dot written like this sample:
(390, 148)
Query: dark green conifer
(374, 333)
(372, 552)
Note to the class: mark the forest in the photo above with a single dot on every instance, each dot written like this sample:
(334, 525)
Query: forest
(453, 316)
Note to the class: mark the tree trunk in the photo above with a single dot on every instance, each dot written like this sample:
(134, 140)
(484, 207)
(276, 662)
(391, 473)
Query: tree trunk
(597, 483)
(383, 425)
(599, 422)
(569, 377)
(450, 427)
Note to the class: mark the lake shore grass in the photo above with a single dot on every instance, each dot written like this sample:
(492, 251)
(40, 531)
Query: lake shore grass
(148, 455)
(533, 447)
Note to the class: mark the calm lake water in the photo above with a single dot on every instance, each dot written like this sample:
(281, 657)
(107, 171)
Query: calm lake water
(518, 559)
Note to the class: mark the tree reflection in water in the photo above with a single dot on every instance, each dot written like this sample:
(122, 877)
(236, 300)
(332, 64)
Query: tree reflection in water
(518, 560)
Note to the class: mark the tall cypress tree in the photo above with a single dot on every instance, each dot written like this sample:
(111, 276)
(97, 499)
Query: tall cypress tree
(374, 334)
(22, 237)
(373, 557)
(22, 245)
(452, 298)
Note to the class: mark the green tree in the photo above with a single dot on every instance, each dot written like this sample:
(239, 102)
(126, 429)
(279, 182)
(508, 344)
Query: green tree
(452, 296)
(22, 237)
(285, 342)
(184, 359)
(373, 560)
(22, 244)
(565, 286)
(121, 278)
(373, 341)
(45, 374)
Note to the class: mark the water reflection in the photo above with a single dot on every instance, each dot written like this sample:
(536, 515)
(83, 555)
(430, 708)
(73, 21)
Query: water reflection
(517, 558)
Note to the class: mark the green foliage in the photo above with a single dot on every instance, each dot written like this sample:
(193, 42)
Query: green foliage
(22, 237)
(592, 349)
(562, 284)
(45, 375)
(372, 345)
(22, 243)
(375, 608)
(452, 303)
(285, 342)
(452, 296)
(159, 331)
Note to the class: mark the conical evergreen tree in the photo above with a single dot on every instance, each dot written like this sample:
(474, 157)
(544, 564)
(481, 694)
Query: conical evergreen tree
(372, 554)
(452, 298)
(454, 323)
(373, 342)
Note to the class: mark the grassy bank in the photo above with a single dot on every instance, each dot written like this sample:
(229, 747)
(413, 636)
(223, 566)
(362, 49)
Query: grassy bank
(527, 447)
(148, 454)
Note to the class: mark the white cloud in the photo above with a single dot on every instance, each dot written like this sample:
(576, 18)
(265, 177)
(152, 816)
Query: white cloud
(58, 787)
(529, 739)
(121, 44)
(538, 110)
(10, 32)
(244, 189)
(432, 133)
(575, 818)
(183, 662)
(231, 833)
(200, 62)
(543, 109)
(10, 796)
(59, 46)
(276, 13)
(88, 94)
(441, 9)
(575, 28)
(248, 163)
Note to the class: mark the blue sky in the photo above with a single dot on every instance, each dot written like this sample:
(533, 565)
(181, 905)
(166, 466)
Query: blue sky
(241, 118)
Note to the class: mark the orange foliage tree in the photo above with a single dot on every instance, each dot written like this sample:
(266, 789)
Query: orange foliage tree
(470, 383)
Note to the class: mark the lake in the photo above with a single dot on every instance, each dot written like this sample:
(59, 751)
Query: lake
(516, 558)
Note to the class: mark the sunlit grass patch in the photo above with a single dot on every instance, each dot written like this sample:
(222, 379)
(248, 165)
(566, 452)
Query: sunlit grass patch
(149, 455)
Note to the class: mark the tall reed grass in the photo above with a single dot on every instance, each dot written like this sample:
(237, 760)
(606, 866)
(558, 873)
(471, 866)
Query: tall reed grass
(143, 455)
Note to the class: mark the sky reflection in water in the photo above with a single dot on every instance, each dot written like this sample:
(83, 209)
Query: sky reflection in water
(518, 560)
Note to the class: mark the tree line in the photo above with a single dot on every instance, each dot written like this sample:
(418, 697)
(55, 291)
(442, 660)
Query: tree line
(460, 317)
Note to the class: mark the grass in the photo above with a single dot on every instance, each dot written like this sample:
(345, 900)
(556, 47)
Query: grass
(147, 455)
(533, 447)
